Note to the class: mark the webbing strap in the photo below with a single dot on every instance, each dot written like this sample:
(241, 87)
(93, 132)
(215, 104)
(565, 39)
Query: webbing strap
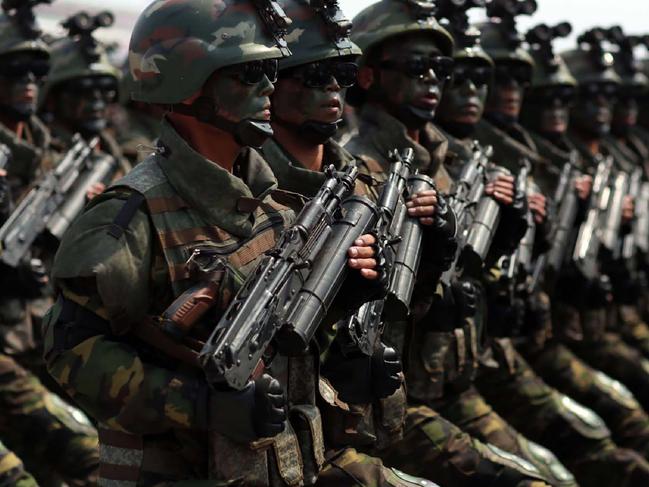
(125, 215)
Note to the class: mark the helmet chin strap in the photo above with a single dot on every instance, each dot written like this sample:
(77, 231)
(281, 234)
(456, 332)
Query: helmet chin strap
(247, 132)
(315, 133)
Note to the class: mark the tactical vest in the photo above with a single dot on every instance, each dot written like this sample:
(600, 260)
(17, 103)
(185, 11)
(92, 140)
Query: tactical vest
(293, 457)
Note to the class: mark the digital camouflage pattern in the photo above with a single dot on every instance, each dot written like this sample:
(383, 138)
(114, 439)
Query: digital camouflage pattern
(54, 440)
(175, 47)
(390, 18)
(310, 38)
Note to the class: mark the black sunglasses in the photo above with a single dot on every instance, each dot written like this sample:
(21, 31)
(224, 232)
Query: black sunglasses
(608, 90)
(565, 94)
(522, 75)
(419, 67)
(105, 86)
(319, 74)
(20, 68)
(253, 72)
(478, 75)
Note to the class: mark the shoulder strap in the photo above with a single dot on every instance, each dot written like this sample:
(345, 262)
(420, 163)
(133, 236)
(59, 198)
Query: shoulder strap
(125, 215)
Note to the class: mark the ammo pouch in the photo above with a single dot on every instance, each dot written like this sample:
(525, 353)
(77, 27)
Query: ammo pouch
(293, 458)
(362, 426)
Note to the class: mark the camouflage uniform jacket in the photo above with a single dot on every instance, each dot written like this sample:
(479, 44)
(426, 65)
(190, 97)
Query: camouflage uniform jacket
(152, 410)
(379, 132)
(30, 156)
(358, 425)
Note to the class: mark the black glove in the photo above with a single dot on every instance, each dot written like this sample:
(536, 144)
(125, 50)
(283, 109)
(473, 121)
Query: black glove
(257, 411)
(386, 371)
(466, 298)
(442, 235)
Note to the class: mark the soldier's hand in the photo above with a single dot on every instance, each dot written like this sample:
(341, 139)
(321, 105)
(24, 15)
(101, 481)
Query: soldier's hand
(502, 189)
(424, 206)
(538, 205)
(94, 190)
(361, 257)
(628, 209)
(270, 407)
(257, 411)
(387, 373)
(583, 185)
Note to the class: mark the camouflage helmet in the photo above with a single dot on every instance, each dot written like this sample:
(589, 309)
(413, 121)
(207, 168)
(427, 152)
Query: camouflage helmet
(18, 29)
(318, 31)
(549, 68)
(391, 18)
(590, 62)
(503, 44)
(80, 55)
(453, 16)
(177, 44)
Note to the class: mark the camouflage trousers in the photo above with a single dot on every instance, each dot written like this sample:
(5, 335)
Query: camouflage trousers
(12, 470)
(49, 436)
(609, 398)
(469, 410)
(348, 467)
(632, 327)
(577, 435)
(434, 448)
(619, 360)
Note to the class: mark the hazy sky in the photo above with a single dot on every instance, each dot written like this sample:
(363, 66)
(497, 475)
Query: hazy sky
(632, 15)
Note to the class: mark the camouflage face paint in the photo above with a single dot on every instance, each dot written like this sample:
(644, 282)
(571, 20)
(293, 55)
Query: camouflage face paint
(83, 103)
(625, 114)
(463, 103)
(20, 75)
(295, 103)
(236, 101)
(592, 115)
(412, 101)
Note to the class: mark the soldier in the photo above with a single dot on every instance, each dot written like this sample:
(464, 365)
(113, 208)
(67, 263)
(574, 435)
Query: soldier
(630, 287)
(125, 262)
(578, 437)
(586, 313)
(403, 69)
(307, 107)
(545, 113)
(80, 86)
(12, 471)
(36, 424)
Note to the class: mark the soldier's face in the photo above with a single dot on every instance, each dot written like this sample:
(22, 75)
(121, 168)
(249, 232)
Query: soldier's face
(592, 113)
(20, 77)
(235, 99)
(625, 113)
(313, 92)
(411, 95)
(506, 94)
(464, 98)
(547, 110)
(82, 103)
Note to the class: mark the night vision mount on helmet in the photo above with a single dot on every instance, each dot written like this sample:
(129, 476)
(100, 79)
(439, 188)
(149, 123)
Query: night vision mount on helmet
(452, 15)
(550, 69)
(592, 62)
(627, 64)
(19, 31)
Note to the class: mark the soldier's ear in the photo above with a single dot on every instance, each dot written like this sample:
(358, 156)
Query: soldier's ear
(365, 77)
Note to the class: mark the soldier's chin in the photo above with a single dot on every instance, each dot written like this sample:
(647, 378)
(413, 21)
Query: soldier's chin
(423, 114)
(93, 126)
(20, 111)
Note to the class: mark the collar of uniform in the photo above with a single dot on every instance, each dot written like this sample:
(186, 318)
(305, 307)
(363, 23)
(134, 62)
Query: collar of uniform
(26, 156)
(382, 132)
(293, 176)
(459, 153)
(223, 199)
(507, 150)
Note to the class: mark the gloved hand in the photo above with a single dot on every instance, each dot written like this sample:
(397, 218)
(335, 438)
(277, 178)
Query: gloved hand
(466, 298)
(386, 372)
(258, 411)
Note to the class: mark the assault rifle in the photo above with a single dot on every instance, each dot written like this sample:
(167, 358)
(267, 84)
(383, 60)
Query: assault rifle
(49, 195)
(613, 209)
(5, 156)
(364, 326)
(519, 264)
(566, 202)
(630, 242)
(467, 194)
(641, 227)
(588, 242)
(285, 298)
